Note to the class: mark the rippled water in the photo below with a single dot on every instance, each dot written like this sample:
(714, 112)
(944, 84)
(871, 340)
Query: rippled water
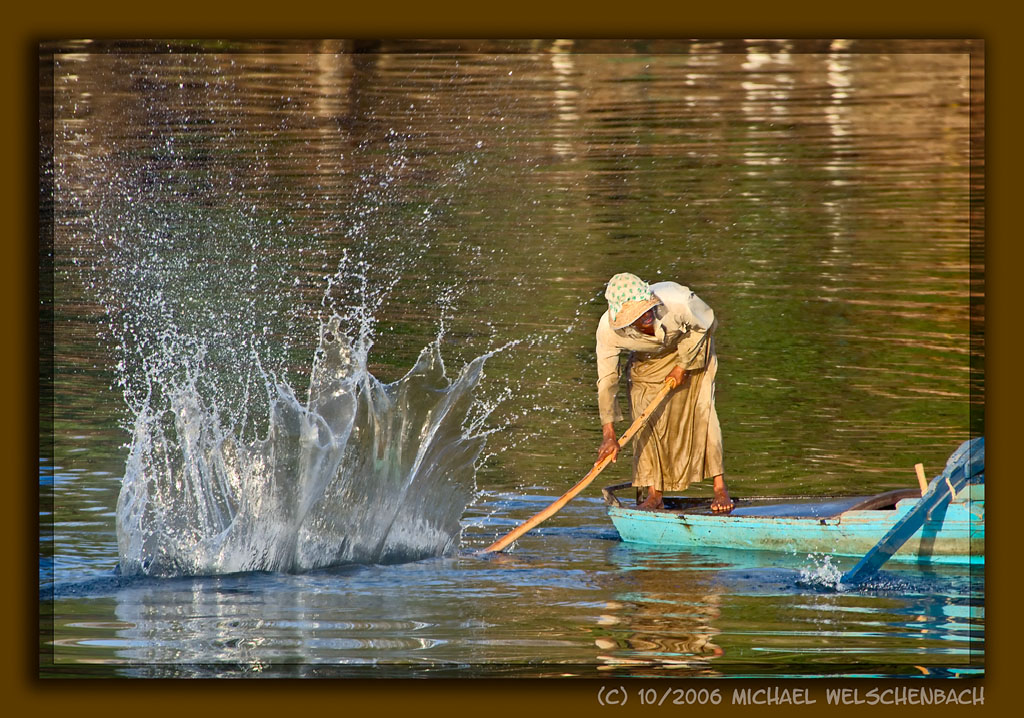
(818, 195)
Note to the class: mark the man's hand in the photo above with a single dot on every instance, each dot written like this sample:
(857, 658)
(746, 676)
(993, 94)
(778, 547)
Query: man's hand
(678, 374)
(609, 446)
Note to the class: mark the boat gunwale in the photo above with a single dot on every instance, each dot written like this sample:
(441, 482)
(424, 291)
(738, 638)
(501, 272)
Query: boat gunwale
(693, 506)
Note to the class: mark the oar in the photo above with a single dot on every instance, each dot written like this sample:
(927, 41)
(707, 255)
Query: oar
(965, 463)
(555, 507)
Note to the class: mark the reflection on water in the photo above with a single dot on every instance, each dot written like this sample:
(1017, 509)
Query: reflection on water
(818, 194)
(572, 601)
(666, 619)
(722, 612)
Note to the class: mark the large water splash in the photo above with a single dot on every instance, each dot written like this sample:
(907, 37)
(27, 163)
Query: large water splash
(229, 470)
(359, 472)
(211, 247)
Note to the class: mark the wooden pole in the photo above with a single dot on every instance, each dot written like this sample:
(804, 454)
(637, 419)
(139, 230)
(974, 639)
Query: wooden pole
(919, 468)
(969, 462)
(585, 481)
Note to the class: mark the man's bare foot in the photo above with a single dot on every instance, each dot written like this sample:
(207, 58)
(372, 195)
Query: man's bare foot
(653, 501)
(721, 504)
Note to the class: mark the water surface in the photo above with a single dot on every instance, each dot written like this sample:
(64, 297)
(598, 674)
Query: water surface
(212, 204)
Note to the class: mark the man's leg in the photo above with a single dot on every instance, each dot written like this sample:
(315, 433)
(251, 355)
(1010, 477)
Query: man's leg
(721, 504)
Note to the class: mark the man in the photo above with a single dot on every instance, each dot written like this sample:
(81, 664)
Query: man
(668, 331)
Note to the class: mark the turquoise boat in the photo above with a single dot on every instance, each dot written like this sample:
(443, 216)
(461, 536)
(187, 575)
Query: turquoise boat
(839, 526)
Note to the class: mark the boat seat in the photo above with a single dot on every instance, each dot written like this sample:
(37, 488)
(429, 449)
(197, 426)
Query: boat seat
(827, 507)
(805, 507)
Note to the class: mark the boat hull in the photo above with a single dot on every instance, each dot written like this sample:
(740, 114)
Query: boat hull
(954, 535)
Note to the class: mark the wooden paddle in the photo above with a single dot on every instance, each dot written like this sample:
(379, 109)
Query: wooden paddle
(966, 462)
(555, 507)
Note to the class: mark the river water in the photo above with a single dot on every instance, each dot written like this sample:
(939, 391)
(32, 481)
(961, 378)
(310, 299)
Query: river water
(211, 208)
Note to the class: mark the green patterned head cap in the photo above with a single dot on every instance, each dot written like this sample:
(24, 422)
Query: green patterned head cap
(628, 298)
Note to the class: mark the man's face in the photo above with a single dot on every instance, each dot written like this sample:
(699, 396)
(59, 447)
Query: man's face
(646, 320)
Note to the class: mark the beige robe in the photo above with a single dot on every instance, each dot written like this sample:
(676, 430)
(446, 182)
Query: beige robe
(682, 441)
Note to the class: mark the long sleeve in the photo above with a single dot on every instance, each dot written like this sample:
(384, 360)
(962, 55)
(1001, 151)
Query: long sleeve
(607, 377)
(693, 349)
